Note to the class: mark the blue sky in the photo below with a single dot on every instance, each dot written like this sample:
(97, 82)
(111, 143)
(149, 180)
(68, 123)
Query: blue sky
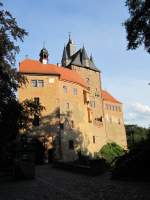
(98, 25)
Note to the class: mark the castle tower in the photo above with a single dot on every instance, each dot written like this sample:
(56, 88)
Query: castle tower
(68, 52)
(43, 56)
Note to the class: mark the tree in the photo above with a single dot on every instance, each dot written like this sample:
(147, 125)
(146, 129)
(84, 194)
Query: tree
(135, 135)
(138, 24)
(10, 79)
(29, 111)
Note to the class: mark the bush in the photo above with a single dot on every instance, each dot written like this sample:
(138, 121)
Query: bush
(110, 152)
(135, 164)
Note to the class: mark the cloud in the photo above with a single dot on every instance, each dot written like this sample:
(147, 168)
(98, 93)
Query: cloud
(140, 108)
(138, 113)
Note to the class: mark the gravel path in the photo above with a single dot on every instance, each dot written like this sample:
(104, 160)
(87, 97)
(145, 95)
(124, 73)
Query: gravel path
(53, 184)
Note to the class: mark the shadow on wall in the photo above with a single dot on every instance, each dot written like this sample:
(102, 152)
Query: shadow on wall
(57, 131)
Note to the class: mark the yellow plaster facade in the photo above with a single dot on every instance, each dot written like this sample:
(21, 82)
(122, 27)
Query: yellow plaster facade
(76, 116)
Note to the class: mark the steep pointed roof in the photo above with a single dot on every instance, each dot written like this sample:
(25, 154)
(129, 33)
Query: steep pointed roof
(91, 58)
(76, 58)
(84, 54)
(81, 59)
(65, 55)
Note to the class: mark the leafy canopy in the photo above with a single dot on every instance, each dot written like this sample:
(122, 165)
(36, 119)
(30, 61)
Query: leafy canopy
(13, 115)
(138, 24)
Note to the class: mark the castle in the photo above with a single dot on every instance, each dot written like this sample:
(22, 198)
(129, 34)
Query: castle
(79, 115)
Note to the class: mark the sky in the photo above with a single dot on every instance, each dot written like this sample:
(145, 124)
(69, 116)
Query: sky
(98, 24)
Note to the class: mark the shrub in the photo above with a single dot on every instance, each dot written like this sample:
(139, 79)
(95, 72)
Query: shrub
(135, 164)
(110, 152)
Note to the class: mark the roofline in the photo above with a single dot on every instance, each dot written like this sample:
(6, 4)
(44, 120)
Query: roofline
(96, 70)
(118, 102)
(29, 73)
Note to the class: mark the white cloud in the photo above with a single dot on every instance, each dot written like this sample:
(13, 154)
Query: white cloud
(140, 108)
(138, 113)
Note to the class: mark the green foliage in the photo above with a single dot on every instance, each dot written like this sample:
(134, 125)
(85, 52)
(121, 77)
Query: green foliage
(10, 79)
(138, 24)
(29, 109)
(135, 134)
(134, 164)
(110, 152)
(13, 115)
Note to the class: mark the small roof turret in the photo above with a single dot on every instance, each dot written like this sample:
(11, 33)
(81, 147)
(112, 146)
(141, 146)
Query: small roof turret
(43, 56)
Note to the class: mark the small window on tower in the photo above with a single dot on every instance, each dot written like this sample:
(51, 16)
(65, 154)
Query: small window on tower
(67, 105)
(87, 80)
(72, 124)
(93, 139)
(119, 121)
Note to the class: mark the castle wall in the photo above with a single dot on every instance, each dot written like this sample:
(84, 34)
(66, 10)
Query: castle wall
(96, 128)
(114, 121)
(75, 118)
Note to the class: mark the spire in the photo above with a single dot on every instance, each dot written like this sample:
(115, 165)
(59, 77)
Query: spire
(91, 58)
(65, 58)
(84, 58)
(70, 47)
(69, 37)
(84, 54)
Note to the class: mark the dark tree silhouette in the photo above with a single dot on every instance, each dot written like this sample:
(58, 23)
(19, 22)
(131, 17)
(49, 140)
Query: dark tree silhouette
(10, 79)
(138, 24)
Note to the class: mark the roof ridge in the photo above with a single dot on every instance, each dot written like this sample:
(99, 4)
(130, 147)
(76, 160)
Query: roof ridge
(36, 67)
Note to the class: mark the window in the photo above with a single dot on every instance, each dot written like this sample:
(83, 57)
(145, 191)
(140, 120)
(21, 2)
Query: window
(72, 124)
(65, 89)
(97, 93)
(37, 83)
(61, 126)
(67, 105)
(34, 83)
(116, 109)
(37, 100)
(89, 115)
(92, 104)
(36, 120)
(71, 144)
(110, 119)
(74, 91)
(93, 139)
(119, 121)
(119, 108)
(86, 96)
(87, 80)
(40, 83)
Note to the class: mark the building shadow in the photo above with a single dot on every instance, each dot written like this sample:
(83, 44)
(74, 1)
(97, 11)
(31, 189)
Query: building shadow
(61, 139)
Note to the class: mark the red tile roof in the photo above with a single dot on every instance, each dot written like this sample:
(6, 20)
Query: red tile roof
(108, 97)
(29, 66)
